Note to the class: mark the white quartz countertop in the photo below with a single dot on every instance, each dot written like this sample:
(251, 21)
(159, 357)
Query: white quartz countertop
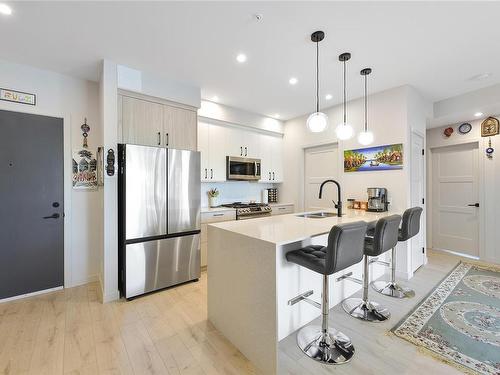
(283, 229)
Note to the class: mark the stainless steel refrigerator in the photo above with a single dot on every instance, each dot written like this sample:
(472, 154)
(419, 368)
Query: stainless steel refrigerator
(159, 212)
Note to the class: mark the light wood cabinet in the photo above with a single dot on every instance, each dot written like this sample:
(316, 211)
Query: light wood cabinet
(151, 123)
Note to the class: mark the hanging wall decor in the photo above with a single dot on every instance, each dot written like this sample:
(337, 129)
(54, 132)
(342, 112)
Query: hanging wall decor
(378, 158)
(448, 132)
(17, 96)
(85, 132)
(489, 127)
(84, 170)
(489, 150)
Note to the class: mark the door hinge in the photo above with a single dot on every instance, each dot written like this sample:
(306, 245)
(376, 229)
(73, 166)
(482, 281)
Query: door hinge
(423, 152)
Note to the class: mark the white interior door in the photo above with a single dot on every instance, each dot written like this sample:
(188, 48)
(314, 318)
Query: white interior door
(417, 243)
(321, 163)
(455, 187)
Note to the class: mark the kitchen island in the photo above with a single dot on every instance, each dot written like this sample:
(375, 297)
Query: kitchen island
(250, 282)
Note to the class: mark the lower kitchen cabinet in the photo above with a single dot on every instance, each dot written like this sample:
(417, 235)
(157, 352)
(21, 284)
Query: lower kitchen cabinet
(212, 217)
(282, 209)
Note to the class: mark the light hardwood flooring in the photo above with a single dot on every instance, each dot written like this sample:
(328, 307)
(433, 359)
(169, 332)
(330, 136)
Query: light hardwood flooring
(71, 332)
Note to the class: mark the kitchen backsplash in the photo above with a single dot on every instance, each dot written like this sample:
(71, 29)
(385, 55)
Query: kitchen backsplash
(234, 191)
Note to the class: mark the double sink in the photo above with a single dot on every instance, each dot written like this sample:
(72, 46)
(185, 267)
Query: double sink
(317, 215)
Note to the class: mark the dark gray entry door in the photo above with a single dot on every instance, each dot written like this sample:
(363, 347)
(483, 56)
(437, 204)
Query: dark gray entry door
(31, 203)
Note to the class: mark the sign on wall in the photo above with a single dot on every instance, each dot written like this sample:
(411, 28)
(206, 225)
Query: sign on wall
(17, 96)
(378, 158)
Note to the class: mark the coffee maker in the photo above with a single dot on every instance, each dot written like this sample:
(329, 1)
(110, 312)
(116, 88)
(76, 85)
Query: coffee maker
(377, 199)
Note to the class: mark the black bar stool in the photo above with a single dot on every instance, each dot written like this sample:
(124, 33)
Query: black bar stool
(409, 228)
(385, 237)
(345, 248)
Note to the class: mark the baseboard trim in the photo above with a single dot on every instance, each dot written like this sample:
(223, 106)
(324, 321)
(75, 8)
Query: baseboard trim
(456, 253)
(8, 299)
(110, 297)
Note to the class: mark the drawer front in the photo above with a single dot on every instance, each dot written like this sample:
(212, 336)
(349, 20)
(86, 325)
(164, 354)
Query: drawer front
(282, 210)
(214, 217)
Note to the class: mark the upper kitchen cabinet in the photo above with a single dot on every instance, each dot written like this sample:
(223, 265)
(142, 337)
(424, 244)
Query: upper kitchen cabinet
(154, 122)
(179, 128)
(243, 143)
(271, 158)
(141, 121)
(212, 145)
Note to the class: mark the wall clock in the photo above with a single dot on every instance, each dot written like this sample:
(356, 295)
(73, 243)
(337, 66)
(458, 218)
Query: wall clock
(464, 128)
(489, 127)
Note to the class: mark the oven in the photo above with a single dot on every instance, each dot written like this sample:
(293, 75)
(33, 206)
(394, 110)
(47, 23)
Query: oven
(243, 169)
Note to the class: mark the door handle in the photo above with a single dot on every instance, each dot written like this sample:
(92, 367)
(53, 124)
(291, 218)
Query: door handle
(246, 151)
(166, 139)
(473, 205)
(241, 151)
(211, 173)
(53, 216)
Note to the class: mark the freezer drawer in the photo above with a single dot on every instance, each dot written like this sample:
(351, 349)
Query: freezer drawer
(158, 264)
(145, 191)
(184, 191)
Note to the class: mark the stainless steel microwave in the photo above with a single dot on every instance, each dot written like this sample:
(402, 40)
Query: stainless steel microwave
(239, 168)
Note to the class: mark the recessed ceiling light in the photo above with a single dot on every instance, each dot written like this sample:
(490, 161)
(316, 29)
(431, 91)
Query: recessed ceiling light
(5, 9)
(241, 58)
(478, 114)
(293, 81)
(480, 77)
(215, 98)
(328, 96)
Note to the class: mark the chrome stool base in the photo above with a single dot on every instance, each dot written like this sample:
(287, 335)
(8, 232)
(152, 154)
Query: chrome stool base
(368, 311)
(392, 289)
(332, 348)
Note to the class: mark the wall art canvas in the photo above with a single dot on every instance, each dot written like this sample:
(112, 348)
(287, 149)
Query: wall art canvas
(84, 170)
(378, 158)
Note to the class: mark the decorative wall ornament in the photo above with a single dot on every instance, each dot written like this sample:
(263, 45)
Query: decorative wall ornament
(84, 170)
(489, 150)
(17, 96)
(85, 132)
(110, 162)
(378, 158)
(464, 128)
(489, 127)
(448, 132)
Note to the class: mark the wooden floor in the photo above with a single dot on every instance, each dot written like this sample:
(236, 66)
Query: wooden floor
(70, 332)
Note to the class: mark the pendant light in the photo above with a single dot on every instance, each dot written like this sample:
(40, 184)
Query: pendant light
(318, 121)
(344, 130)
(366, 136)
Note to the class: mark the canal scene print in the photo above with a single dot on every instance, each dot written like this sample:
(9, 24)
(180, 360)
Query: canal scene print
(378, 158)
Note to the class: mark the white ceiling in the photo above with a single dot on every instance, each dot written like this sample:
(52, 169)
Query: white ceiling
(436, 47)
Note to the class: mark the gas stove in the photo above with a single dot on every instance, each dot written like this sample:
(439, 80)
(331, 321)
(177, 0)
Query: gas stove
(250, 210)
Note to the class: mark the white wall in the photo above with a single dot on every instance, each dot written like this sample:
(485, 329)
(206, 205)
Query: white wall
(73, 100)
(489, 180)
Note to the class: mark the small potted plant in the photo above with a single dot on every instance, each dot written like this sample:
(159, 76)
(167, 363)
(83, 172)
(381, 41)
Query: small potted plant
(213, 197)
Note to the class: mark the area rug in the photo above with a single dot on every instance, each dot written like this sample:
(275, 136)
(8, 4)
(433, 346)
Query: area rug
(459, 321)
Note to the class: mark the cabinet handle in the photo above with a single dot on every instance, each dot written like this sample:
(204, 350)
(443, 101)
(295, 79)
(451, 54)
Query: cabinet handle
(206, 173)
(211, 173)
(269, 175)
(166, 139)
(246, 151)
(273, 176)
(218, 215)
(159, 138)
(241, 151)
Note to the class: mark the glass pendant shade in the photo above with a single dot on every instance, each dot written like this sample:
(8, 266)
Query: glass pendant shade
(344, 131)
(365, 138)
(317, 122)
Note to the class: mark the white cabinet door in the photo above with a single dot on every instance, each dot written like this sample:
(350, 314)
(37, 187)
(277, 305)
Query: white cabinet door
(266, 156)
(142, 122)
(277, 156)
(235, 140)
(251, 144)
(217, 152)
(203, 148)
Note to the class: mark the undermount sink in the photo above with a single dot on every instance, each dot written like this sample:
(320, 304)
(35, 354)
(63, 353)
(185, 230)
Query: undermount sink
(317, 215)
